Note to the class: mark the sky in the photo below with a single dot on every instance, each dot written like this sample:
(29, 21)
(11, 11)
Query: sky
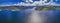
(9, 1)
(16, 1)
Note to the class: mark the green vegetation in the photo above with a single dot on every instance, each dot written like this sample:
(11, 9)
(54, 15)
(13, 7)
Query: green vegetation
(49, 8)
(22, 8)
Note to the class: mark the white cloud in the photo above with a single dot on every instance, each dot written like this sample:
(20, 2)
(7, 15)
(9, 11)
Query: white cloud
(40, 3)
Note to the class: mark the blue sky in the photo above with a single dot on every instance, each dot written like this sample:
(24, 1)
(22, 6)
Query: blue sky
(8, 1)
(15, 1)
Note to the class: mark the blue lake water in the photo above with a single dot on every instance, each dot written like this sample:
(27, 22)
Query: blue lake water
(21, 15)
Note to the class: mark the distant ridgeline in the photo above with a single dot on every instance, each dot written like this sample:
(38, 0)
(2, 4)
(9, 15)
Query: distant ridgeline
(17, 8)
